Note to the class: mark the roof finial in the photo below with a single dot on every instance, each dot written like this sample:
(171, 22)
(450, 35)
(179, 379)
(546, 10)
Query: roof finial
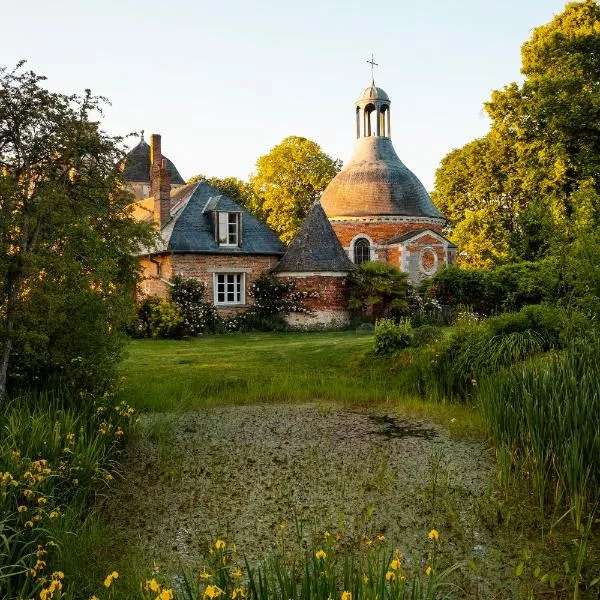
(373, 65)
(142, 135)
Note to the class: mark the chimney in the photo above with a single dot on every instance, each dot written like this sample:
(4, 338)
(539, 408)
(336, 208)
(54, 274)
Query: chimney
(160, 183)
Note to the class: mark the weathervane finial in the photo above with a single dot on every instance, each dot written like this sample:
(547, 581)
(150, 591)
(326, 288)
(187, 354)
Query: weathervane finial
(142, 135)
(373, 65)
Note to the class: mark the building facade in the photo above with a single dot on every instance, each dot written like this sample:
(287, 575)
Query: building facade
(377, 207)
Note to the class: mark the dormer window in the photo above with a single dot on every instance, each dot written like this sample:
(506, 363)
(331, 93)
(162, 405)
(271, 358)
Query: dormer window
(229, 226)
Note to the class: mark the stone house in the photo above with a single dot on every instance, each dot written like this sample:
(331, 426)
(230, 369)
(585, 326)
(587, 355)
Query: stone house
(204, 235)
(374, 209)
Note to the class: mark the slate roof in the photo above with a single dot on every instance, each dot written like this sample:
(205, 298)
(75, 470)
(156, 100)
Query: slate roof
(190, 228)
(315, 247)
(137, 165)
(376, 182)
(413, 233)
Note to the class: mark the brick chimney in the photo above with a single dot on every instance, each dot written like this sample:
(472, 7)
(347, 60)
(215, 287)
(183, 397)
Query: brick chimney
(160, 183)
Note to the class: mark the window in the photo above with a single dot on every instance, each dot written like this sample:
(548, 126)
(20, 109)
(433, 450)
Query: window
(229, 288)
(228, 228)
(362, 251)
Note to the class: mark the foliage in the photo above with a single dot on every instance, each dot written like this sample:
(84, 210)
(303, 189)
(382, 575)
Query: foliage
(378, 289)
(236, 189)
(545, 418)
(166, 321)
(198, 316)
(506, 287)
(55, 455)
(391, 336)
(454, 366)
(515, 193)
(426, 334)
(288, 180)
(67, 241)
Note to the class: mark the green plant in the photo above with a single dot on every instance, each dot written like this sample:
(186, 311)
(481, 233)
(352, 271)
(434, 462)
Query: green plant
(426, 334)
(391, 336)
(377, 290)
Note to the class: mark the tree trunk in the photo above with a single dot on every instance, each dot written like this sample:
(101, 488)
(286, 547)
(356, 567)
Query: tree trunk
(9, 324)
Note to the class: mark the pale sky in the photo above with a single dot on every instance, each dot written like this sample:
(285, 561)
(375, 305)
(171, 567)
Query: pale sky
(225, 81)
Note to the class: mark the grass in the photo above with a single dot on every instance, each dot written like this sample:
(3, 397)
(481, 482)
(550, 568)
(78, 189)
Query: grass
(174, 375)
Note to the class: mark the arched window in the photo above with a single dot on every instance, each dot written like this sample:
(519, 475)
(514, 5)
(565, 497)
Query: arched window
(362, 251)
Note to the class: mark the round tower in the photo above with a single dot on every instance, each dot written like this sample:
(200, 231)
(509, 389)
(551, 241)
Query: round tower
(377, 207)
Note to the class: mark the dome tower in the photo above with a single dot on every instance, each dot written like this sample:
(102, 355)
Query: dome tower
(377, 207)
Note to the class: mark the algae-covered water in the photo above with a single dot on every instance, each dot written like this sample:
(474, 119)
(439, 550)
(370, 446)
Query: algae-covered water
(267, 476)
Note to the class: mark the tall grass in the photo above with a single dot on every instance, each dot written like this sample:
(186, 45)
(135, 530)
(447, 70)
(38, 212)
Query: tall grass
(55, 455)
(544, 416)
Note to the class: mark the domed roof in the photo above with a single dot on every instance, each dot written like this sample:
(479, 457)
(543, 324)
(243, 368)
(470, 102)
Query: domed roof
(373, 93)
(376, 182)
(137, 165)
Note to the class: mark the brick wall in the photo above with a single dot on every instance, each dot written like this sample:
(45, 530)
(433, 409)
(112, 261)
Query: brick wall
(380, 232)
(202, 267)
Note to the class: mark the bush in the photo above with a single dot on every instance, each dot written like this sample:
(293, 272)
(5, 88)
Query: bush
(426, 334)
(378, 290)
(166, 321)
(198, 316)
(391, 336)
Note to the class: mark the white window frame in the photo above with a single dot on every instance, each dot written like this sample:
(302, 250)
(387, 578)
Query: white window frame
(227, 276)
(224, 222)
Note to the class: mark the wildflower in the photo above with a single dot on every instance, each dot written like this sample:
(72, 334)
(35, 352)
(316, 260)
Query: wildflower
(390, 576)
(346, 595)
(152, 585)
(452, 420)
(42, 500)
(94, 597)
(219, 545)
(381, 538)
(15, 455)
(433, 535)
(40, 551)
(119, 432)
(39, 565)
(22, 508)
(204, 575)
(27, 493)
(281, 525)
(320, 554)
(28, 523)
(58, 575)
(238, 592)
(237, 573)
(108, 477)
(110, 578)
(395, 564)
(213, 591)
(428, 571)
(365, 579)
(166, 594)
(54, 515)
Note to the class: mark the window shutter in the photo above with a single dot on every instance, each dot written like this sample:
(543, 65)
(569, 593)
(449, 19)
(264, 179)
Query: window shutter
(239, 226)
(223, 227)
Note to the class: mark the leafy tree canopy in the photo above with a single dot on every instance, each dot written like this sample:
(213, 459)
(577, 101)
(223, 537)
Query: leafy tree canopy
(288, 180)
(67, 242)
(236, 189)
(514, 193)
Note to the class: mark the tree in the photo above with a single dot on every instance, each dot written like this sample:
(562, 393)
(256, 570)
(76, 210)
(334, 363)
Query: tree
(289, 179)
(67, 242)
(515, 189)
(236, 189)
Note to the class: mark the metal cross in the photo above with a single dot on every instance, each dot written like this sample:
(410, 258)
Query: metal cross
(373, 65)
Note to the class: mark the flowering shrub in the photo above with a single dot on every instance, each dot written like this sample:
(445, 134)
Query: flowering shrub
(273, 295)
(198, 316)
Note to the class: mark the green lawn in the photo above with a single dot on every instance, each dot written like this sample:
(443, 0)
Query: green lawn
(175, 375)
